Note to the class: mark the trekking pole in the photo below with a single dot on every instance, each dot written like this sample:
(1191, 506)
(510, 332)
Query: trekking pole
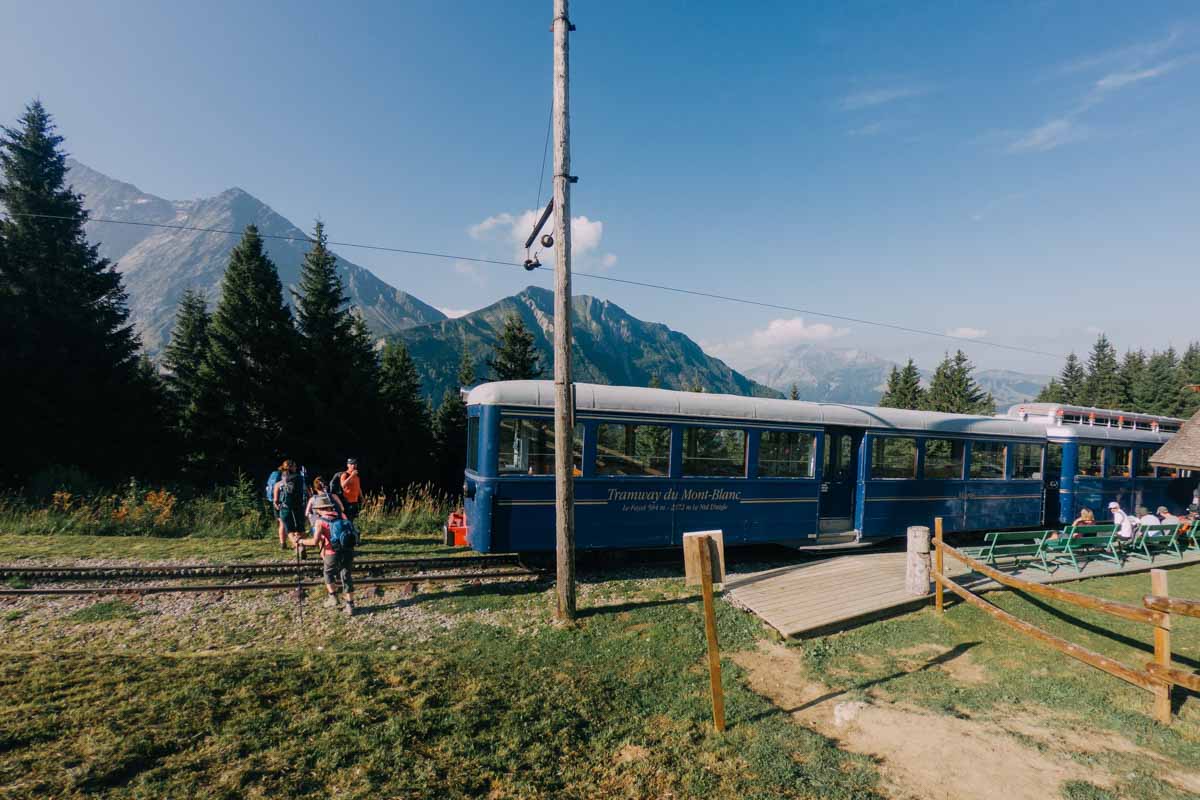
(299, 595)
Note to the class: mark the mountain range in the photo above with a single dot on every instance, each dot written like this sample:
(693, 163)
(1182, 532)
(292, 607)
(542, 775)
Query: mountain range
(847, 375)
(610, 346)
(158, 263)
(160, 254)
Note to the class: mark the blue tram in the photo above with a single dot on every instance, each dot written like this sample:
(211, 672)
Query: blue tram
(651, 464)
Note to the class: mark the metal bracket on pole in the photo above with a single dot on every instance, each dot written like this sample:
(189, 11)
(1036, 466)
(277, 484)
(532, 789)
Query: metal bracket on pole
(541, 223)
(570, 25)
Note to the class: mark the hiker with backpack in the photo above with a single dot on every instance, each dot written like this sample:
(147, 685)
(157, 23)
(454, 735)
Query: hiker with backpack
(319, 490)
(336, 537)
(288, 497)
(348, 486)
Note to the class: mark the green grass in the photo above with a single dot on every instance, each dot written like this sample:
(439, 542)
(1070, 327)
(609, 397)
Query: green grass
(614, 707)
(105, 611)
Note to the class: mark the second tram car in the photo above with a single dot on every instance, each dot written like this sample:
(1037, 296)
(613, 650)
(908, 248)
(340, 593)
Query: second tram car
(651, 464)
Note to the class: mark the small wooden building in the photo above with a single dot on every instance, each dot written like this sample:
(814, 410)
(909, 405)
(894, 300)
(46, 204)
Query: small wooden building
(1182, 451)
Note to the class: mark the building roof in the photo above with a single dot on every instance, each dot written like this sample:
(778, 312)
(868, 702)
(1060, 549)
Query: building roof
(664, 402)
(1183, 450)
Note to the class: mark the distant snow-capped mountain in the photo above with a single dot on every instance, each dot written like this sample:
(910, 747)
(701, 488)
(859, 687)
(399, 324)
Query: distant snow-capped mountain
(848, 375)
(158, 264)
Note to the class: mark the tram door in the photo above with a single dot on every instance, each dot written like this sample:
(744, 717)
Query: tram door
(839, 481)
(1051, 483)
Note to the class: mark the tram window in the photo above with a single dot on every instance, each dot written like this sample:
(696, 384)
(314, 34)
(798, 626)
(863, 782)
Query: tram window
(943, 459)
(527, 447)
(839, 457)
(785, 454)
(894, 457)
(1091, 456)
(1117, 465)
(987, 460)
(473, 444)
(633, 449)
(714, 452)
(1027, 461)
(1142, 467)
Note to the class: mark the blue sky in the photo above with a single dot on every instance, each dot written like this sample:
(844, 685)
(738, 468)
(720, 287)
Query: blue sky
(1029, 171)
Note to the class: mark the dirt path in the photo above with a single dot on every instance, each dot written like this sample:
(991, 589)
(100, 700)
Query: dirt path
(940, 757)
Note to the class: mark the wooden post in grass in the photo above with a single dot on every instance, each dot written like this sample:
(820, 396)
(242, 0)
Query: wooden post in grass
(703, 557)
(1162, 649)
(939, 561)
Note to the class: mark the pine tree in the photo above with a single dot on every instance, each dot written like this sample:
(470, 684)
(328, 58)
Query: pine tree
(1189, 376)
(906, 390)
(515, 357)
(341, 368)
(250, 379)
(1133, 369)
(794, 392)
(182, 359)
(1052, 392)
(1102, 388)
(71, 359)
(466, 369)
(410, 439)
(1158, 391)
(1073, 381)
(953, 389)
(450, 430)
(655, 382)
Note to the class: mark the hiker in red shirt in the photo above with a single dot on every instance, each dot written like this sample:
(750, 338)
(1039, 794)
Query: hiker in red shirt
(351, 489)
(336, 537)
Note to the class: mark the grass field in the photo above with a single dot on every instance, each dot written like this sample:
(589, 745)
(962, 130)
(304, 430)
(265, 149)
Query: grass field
(468, 691)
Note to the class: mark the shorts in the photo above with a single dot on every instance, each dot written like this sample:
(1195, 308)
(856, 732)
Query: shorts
(336, 566)
(292, 519)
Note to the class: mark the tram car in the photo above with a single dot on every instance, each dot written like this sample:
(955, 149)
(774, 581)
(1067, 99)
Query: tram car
(650, 464)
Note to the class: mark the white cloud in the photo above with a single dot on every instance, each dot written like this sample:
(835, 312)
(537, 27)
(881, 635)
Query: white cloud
(967, 333)
(870, 98)
(1054, 133)
(454, 313)
(1118, 80)
(765, 344)
(511, 231)
(470, 271)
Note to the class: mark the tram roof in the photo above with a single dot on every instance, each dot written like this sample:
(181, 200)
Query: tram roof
(636, 400)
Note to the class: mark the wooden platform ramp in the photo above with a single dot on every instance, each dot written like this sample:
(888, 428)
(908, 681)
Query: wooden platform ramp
(825, 595)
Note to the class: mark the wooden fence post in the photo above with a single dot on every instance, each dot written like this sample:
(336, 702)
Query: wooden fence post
(1162, 649)
(939, 560)
(710, 630)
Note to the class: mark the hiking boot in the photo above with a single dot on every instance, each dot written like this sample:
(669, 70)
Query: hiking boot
(331, 601)
(349, 608)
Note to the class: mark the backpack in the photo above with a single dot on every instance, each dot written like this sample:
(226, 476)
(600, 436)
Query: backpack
(291, 491)
(342, 535)
(271, 481)
(335, 485)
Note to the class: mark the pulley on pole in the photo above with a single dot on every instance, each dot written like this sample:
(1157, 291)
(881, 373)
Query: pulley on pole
(564, 436)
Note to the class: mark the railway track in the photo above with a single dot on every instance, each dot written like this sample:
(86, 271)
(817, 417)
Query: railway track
(247, 570)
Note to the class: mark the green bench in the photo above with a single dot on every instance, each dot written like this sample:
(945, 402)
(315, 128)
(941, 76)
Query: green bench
(1081, 543)
(1001, 544)
(1192, 535)
(1152, 539)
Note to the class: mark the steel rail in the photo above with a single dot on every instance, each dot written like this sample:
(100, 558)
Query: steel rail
(242, 587)
(236, 569)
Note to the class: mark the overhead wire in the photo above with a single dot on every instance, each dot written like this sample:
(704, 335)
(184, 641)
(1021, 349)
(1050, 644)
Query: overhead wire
(584, 274)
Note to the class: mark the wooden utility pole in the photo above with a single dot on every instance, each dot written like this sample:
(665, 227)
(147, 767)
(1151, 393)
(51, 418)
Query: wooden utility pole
(564, 435)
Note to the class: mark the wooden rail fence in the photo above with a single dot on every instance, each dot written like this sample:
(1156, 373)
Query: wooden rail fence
(1157, 676)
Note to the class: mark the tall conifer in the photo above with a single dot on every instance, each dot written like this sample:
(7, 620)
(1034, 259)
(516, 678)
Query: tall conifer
(904, 388)
(1073, 381)
(410, 440)
(1132, 373)
(1102, 388)
(250, 382)
(1189, 376)
(182, 359)
(71, 359)
(515, 357)
(954, 390)
(1158, 391)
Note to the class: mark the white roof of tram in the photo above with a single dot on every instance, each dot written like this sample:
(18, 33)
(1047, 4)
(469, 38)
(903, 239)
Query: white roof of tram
(636, 400)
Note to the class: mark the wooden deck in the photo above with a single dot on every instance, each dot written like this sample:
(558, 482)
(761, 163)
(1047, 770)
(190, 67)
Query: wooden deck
(822, 596)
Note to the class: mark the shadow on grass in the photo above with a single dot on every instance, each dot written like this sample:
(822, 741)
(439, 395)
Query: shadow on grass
(514, 589)
(945, 657)
(594, 611)
(1146, 647)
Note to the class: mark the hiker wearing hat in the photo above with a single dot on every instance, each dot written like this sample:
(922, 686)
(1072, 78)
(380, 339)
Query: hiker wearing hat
(1145, 519)
(347, 485)
(1167, 517)
(335, 535)
(1121, 519)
